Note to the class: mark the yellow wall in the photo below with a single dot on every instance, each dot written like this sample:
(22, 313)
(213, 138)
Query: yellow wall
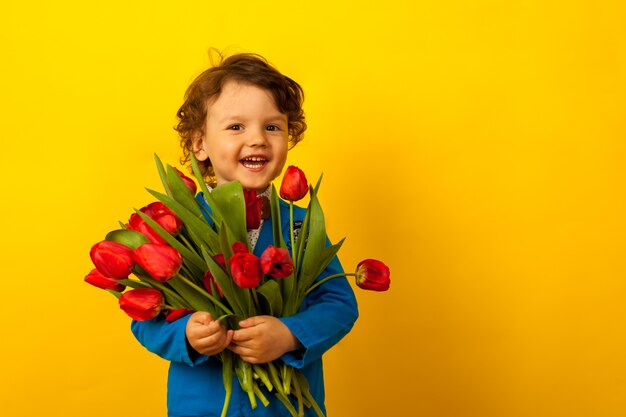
(476, 146)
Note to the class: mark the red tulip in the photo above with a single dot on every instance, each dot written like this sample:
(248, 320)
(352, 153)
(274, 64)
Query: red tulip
(96, 279)
(209, 283)
(276, 262)
(160, 261)
(240, 247)
(188, 182)
(173, 315)
(254, 209)
(142, 303)
(294, 186)
(161, 214)
(209, 278)
(219, 258)
(246, 269)
(372, 275)
(112, 259)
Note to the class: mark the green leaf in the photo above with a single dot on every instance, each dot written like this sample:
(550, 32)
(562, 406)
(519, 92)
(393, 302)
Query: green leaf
(315, 241)
(172, 297)
(230, 202)
(181, 193)
(129, 238)
(270, 291)
(197, 226)
(309, 246)
(162, 175)
(327, 255)
(132, 283)
(115, 293)
(226, 284)
(196, 299)
(302, 239)
(319, 182)
(226, 248)
(215, 215)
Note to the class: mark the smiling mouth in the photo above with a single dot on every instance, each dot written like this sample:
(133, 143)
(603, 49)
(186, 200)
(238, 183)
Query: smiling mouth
(254, 162)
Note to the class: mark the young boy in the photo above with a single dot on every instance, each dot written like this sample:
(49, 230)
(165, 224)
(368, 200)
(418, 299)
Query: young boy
(239, 119)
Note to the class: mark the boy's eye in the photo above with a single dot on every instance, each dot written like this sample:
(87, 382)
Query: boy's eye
(234, 127)
(272, 128)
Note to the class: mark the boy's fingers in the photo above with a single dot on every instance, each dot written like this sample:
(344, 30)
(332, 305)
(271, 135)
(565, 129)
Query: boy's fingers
(206, 317)
(242, 335)
(202, 317)
(251, 322)
(229, 337)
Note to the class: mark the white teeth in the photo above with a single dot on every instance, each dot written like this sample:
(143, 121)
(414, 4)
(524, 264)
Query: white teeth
(253, 162)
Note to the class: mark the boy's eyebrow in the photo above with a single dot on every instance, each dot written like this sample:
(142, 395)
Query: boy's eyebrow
(230, 117)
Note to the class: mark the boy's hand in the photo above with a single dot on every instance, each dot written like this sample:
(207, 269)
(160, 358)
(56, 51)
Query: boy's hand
(206, 335)
(262, 339)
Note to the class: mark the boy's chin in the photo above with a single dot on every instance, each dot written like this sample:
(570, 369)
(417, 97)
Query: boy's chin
(259, 187)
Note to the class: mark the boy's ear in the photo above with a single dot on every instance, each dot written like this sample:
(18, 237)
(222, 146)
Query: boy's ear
(197, 146)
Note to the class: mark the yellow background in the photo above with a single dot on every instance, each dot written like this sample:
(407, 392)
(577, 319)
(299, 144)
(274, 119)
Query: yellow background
(477, 147)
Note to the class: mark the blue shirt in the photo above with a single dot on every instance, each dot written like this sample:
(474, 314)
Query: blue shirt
(195, 387)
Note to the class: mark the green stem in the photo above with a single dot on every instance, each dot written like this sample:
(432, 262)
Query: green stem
(298, 394)
(205, 293)
(259, 394)
(321, 281)
(294, 254)
(186, 242)
(263, 376)
(167, 291)
(287, 374)
(304, 387)
(227, 377)
(256, 299)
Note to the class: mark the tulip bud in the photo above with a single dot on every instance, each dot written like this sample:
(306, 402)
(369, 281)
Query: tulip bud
(161, 214)
(112, 259)
(142, 303)
(246, 269)
(372, 275)
(173, 315)
(208, 281)
(276, 262)
(96, 279)
(294, 186)
(240, 247)
(219, 258)
(188, 181)
(161, 261)
(254, 209)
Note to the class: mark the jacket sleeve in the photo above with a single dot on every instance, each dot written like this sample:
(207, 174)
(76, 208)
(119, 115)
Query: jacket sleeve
(167, 340)
(326, 316)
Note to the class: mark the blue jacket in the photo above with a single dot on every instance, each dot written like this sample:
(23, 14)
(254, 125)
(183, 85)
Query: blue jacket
(195, 387)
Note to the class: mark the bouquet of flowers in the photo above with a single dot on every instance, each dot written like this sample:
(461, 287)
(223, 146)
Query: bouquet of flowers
(185, 258)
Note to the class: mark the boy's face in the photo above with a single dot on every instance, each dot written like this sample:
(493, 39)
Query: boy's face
(245, 136)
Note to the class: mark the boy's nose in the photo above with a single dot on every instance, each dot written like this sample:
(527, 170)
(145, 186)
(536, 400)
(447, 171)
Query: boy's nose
(257, 138)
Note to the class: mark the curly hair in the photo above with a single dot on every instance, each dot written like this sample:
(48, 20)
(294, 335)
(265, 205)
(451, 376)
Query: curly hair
(246, 68)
